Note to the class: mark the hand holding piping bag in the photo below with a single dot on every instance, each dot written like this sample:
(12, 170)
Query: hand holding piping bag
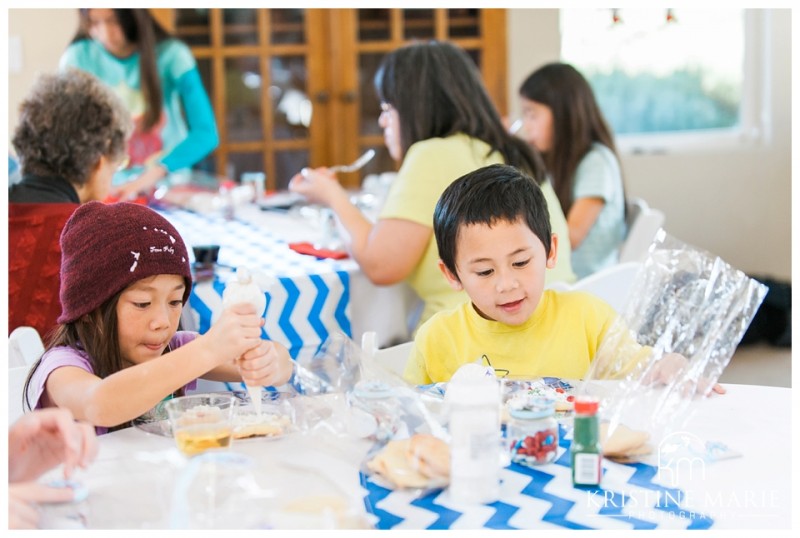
(243, 289)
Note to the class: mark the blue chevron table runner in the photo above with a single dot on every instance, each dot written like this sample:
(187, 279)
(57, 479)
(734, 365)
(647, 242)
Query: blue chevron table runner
(308, 297)
(544, 497)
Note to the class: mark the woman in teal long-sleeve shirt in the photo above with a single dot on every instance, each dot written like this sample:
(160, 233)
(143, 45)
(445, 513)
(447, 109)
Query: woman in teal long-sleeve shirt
(156, 76)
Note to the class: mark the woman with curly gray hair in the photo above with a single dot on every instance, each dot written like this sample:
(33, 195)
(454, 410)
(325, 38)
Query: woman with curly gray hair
(71, 138)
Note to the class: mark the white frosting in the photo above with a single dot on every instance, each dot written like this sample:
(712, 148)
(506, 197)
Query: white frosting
(259, 425)
(201, 414)
(472, 371)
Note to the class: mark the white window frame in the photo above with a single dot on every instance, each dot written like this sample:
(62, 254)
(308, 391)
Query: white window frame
(754, 122)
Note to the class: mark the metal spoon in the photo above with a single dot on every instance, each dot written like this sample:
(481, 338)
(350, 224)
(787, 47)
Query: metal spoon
(356, 165)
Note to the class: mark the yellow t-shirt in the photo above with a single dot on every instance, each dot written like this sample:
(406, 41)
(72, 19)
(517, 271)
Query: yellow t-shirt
(428, 169)
(560, 339)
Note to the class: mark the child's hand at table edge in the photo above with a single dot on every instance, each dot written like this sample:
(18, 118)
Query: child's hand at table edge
(672, 365)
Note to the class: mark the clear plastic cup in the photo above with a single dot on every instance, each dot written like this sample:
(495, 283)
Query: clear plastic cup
(201, 422)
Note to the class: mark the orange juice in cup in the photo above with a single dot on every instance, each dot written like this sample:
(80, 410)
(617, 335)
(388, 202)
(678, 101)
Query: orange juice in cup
(202, 422)
(195, 440)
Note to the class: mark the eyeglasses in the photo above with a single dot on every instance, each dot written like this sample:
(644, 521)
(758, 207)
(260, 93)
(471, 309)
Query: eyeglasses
(499, 372)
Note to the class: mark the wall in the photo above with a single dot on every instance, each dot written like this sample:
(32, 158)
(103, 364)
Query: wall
(735, 204)
(38, 54)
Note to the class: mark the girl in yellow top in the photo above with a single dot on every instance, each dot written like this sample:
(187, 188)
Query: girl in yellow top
(439, 123)
(493, 234)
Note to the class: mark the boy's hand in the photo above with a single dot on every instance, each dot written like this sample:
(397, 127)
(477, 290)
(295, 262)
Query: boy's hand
(670, 366)
(702, 386)
(268, 364)
(237, 330)
(666, 369)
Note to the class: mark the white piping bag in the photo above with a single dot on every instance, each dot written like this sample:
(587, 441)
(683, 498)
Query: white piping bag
(244, 289)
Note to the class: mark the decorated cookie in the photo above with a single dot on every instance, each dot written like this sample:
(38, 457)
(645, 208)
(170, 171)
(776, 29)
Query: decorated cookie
(247, 425)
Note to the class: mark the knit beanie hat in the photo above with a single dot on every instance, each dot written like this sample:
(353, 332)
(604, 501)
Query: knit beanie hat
(107, 247)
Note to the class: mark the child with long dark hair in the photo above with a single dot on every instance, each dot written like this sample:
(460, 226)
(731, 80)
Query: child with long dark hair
(563, 121)
(155, 75)
(124, 280)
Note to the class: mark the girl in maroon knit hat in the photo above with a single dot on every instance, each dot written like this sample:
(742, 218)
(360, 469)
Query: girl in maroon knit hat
(124, 280)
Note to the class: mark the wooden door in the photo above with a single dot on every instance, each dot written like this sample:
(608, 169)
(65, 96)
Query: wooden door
(364, 36)
(293, 87)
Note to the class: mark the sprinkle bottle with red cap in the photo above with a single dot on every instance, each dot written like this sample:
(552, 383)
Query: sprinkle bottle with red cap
(585, 450)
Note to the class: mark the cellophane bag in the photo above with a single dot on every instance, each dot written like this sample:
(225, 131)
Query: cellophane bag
(361, 398)
(683, 301)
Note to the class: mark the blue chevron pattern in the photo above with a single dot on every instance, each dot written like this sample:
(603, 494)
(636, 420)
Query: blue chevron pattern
(342, 315)
(543, 497)
(293, 340)
(308, 299)
(316, 308)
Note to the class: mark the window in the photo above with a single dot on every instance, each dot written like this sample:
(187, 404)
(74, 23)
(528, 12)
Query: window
(671, 78)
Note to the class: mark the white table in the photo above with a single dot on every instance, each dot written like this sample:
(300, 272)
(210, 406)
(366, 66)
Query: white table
(136, 474)
(751, 491)
(132, 480)
(755, 490)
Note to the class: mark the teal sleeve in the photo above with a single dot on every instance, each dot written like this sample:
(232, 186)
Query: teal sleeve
(67, 59)
(203, 137)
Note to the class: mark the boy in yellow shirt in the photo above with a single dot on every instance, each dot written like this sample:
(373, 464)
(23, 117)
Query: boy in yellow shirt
(493, 233)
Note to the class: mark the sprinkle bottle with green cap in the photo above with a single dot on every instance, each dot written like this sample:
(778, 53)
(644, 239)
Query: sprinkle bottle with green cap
(585, 449)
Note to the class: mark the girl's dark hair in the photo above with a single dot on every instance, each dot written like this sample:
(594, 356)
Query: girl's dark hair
(96, 334)
(141, 29)
(577, 123)
(489, 195)
(437, 91)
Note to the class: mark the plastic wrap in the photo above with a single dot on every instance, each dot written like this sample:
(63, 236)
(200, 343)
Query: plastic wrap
(379, 405)
(347, 393)
(686, 313)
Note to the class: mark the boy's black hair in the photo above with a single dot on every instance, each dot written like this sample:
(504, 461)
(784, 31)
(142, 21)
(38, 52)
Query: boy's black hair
(488, 195)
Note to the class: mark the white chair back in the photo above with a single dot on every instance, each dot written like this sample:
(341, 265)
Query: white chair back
(394, 358)
(24, 349)
(612, 284)
(643, 223)
(16, 381)
(25, 346)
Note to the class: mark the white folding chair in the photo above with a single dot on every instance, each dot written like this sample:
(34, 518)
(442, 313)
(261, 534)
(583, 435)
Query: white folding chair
(24, 349)
(643, 223)
(611, 284)
(25, 346)
(16, 381)
(394, 358)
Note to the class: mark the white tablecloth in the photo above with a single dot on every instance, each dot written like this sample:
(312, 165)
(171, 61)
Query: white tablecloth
(131, 483)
